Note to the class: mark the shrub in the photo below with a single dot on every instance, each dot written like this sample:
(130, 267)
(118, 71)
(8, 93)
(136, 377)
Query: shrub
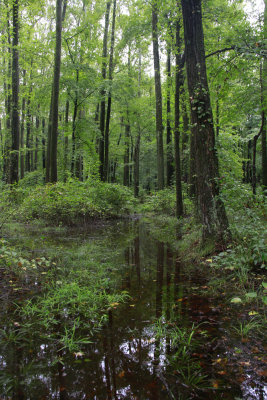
(74, 202)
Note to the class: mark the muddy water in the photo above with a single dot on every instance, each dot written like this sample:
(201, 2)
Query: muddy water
(125, 361)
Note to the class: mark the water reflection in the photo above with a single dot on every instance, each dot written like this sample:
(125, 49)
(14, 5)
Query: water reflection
(125, 361)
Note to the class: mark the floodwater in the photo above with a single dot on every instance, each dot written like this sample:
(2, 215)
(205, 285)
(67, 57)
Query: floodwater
(126, 360)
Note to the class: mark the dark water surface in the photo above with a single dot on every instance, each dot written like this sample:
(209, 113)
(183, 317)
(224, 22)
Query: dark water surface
(125, 361)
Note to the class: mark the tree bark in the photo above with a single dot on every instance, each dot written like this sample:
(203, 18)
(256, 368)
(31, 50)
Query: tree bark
(15, 127)
(66, 141)
(178, 183)
(211, 207)
(159, 126)
(22, 128)
(111, 67)
(126, 169)
(103, 94)
(55, 97)
(169, 169)
(264, 109)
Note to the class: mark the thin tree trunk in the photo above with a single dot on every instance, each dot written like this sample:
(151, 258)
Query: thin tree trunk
(138, 139)
(126, 169)
(28, 132)
(211, 207)
(159, 126)
(43, 142)
(15, 127)
(179, 198)
(111, 67)
(22, 128)
(103, 94)
(36, 141)
(169, 169)
(66, 141)
(74, 139)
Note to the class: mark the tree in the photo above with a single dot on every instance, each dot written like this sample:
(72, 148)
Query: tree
(159, 126)
(52, 153)
(103, 94)
(264, 107)
(15, 127)
(211, 207)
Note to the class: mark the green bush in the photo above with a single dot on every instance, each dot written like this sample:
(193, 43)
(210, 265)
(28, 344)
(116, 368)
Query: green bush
(161, 202)
(74, 202)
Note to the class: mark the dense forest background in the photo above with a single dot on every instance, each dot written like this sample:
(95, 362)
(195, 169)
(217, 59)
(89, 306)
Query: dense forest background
(110, 90)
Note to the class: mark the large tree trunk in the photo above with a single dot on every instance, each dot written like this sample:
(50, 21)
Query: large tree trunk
(14, 156)
(55, 96)
(159, 126)
(103, 94)
(211, 207)
(179, 198)
(106, 157)
(264, 110)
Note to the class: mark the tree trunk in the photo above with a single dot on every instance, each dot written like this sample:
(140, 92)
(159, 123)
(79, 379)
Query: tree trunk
(14, 157)
(169, 169)
(66, 141)
(103, 94)
(22, 128)
(185, 139)
(43, 142)
(55, 97)
(159, 126)
(106, 156)
(36, 141)
(126, 170)
(264, 109)
(138, 139)
(179, 198)
(211, 207)
(74, 139)
(28, 132)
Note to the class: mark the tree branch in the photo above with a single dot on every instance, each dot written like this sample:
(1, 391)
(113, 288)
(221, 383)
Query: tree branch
(221, 51)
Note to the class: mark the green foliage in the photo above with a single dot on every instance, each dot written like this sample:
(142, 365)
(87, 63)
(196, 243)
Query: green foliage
(32, 179)
(183, 342)
(76, 202)
(161, 202)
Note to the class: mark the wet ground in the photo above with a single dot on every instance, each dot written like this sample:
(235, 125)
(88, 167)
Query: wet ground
(126, 360)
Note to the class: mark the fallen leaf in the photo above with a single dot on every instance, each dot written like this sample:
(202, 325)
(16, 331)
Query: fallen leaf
(262, 373)
(236, 300)
(222, 372)
(78, 354)
(132, 305)
(215, 384)
(121, 374)
(244, 363)
(253, 313)
(114, 304)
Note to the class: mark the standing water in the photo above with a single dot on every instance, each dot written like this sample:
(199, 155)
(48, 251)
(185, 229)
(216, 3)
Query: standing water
(132, 356)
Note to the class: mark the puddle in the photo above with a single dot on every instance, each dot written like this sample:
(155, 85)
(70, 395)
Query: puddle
(125, 361)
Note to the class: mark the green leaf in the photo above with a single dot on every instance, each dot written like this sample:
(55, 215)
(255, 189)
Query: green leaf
(251, 294)
(264, 284)
(236, 300)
